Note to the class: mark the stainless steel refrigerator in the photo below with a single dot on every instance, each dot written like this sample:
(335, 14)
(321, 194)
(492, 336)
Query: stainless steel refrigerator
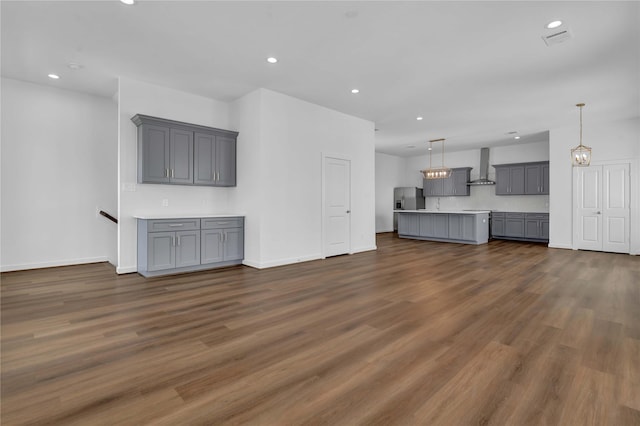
(406, 198)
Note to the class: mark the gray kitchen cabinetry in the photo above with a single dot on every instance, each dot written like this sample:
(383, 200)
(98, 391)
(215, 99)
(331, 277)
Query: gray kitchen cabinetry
(509, 179)
(536, 226)
(453, 186)
(408, 224)
(445, 227)
(173, 152)
(222, 240)
(522, 178)
(167, 246)
(215, 160)
(536, 178)
(520, 226)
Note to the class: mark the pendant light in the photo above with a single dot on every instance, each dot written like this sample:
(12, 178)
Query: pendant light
(580, 155)
(441, 172)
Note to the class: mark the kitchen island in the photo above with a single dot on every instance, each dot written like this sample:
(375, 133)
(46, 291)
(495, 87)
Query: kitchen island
(456, 226)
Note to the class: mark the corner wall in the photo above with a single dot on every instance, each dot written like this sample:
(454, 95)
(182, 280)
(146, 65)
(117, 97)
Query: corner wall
(59, 162)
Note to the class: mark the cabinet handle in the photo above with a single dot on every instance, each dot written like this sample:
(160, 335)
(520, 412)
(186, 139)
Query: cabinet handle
(173, 241)
(178, 240)
(173, 173)
(221, 223)
(166, 172)
(217, 175)
(175, 225)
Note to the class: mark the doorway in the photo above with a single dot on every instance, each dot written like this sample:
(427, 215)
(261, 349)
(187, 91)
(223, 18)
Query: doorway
(336, 205)
(602, 208)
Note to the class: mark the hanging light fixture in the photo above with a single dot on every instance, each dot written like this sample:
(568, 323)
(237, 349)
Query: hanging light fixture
(441, 172)
(580, 155)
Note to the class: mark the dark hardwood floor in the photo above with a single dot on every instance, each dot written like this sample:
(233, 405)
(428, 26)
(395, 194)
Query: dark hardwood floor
(417, 332)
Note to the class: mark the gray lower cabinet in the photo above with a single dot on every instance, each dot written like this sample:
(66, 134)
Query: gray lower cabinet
(520, 226)
(522, 178)
(174, 152)
(453, 186)
(450, 227)
(167, 246)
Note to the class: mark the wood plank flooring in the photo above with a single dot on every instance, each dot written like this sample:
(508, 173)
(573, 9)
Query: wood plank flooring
(416, 333)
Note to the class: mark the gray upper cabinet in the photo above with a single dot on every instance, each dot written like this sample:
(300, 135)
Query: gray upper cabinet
(181, 157)
(180, 153)
(537, 178)
(522, 178)
(453, 186)
(154, 152)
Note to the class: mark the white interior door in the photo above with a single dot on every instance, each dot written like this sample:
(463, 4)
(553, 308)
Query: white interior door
(337, 206)
(615, 208)
(601, 220)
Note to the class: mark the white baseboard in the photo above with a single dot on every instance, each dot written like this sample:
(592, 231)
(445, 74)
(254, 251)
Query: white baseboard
(126, 269)
(280, 262)
(52, 264)
(560, 246)
(363, 249)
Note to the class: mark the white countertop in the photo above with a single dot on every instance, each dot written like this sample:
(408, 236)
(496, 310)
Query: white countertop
(182, 216)
(444, 211)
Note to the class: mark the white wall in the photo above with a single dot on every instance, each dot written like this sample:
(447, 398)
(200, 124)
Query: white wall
(285, 155)
(135, 97)
(390, 173)
(614, 141)
(482, 197)
(59, 162)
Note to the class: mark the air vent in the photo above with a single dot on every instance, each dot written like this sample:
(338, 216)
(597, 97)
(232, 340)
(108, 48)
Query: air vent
(556, 37)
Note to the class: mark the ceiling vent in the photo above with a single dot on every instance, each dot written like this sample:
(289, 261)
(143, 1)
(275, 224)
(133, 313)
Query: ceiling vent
(557, 36)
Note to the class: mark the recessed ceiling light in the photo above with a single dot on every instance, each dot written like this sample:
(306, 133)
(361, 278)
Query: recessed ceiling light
(54, 76)
(429, 149)
(272, 60)
(128, 2)
(419, 118)
(554, 24)
(516, 137)
(355, 91)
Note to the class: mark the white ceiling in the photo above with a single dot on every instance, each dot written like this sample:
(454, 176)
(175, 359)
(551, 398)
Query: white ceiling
(474, 70)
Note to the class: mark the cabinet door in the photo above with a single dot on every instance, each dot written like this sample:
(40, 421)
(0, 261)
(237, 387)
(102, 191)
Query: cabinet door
(468, 227)
(460, 179)
(532, 228)
(544, 229)
(426, 225)
(532, 179)
(502, 180)
(187, 248)
(514, 228)
(212, 246)
(448, 185)
(205, 159)
(226, 161)
(497, 227)
(516, 177)
(544, 179)
(408, 224)
(441, 225)
(161, 254)
(455, 226)
(181, 156)
(154, 154)
(233, 244)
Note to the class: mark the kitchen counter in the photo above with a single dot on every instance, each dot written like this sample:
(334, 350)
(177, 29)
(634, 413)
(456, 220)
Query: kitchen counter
(152, 216)
(454, 226)
(444, 211)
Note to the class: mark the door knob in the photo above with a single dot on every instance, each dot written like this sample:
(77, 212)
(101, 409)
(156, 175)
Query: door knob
(348, 211)
(597, 212)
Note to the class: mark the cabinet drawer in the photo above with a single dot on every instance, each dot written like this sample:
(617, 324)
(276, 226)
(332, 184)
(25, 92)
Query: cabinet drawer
(159, 225)
(540, 216)
(514, 215)
(222, 222)
(498, 215)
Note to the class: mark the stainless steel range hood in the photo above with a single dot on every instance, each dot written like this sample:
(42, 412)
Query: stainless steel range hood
(484, 170)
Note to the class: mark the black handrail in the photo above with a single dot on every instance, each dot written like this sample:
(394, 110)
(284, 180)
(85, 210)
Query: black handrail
(108, 216)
